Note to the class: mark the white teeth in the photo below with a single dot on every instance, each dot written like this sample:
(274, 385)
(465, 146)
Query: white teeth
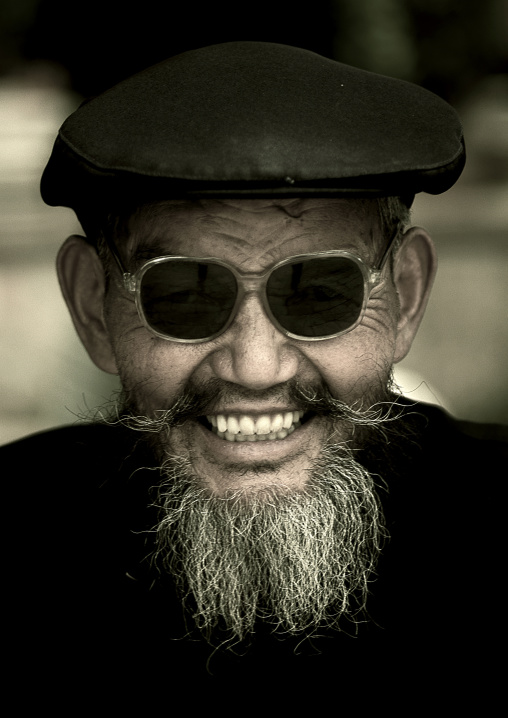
(257, 437)
(233, 425)
(277, 422)
(247, 428)
(222, 424)
(288, 419)
(246, 425)
(263, 425)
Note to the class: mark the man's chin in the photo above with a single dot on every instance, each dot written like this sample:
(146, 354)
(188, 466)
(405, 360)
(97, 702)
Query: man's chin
(299, 561)
(229, 468)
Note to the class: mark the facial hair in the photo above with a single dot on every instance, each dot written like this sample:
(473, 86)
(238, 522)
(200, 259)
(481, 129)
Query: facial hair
(295, 561)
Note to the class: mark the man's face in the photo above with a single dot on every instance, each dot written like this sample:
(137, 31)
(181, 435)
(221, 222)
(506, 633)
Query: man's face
(252, 366)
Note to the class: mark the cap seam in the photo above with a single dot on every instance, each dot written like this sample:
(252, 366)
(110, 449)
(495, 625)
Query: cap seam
(104, 168)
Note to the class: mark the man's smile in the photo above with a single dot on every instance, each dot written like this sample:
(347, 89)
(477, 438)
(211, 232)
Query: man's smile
(254, 427)
(254, 437)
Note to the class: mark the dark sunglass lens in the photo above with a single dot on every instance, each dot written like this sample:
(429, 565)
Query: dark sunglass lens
(186, 299)
(317, 297)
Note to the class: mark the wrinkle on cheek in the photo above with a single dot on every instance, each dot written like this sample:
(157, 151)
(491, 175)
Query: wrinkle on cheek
(353, 364)
(377, 336)
(382, 313)
(153, 371)
(135, 368)
(133, 348)
(378, 323)
(121, 318)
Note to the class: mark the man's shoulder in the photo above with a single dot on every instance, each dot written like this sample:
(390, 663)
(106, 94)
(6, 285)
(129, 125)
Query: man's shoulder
(495, 433)
(78, 434)
(70, 436)
(90, 450)
(65, 488)
(440, 429)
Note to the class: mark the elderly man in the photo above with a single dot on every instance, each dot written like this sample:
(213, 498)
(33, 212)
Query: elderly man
(261, 498)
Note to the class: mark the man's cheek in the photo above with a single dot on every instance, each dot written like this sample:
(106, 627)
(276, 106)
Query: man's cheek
(353, 368)
(150, 383)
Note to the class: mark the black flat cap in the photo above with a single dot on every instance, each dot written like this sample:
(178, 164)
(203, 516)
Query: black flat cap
(255, 119)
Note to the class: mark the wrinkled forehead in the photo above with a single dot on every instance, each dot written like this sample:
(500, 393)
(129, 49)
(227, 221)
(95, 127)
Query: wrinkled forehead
(240, 228)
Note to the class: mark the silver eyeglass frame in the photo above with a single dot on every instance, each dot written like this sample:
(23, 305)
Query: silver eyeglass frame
(249, 282)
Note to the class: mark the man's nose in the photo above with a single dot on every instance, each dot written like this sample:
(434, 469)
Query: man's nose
(252, 352)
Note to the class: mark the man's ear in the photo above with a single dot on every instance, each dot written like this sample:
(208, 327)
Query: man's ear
(414, 271)
(82, 281)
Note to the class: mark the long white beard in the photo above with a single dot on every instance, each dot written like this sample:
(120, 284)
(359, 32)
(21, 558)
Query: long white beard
(298, 561)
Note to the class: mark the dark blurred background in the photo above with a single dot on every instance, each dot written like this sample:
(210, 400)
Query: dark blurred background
(447, 46)
(54, 53)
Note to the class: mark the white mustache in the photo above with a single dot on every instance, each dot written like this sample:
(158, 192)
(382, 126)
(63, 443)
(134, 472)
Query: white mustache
(201, 400)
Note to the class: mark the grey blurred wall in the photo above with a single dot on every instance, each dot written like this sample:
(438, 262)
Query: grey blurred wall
(462, 347)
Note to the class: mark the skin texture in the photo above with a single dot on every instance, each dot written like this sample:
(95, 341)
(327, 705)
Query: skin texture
(252, 360)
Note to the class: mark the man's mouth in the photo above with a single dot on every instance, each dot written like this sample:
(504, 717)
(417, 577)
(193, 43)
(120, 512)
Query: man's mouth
(249, 427)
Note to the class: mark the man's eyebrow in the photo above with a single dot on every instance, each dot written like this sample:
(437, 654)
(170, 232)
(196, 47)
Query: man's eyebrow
(148, 250)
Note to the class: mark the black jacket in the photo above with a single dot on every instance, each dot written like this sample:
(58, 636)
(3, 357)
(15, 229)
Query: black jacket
(84, 613)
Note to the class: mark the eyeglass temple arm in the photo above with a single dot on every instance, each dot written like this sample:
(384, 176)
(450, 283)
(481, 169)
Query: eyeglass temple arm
(116, 255)
(389, 248)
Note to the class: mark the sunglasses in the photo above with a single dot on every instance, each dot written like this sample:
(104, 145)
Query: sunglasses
(311, 297)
